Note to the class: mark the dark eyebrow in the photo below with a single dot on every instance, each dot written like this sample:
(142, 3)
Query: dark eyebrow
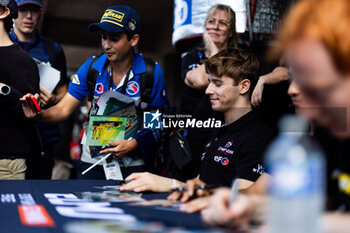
(216, 80)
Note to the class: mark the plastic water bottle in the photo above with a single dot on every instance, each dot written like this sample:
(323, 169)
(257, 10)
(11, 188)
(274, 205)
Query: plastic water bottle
(297, 189)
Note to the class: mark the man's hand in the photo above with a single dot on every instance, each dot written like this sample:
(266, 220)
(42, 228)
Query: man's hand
(145, 181)
(120, 148)
(190, 192)
(47, 99)
(27, 106)
(245, 209)
(195, 205)
(218, 212)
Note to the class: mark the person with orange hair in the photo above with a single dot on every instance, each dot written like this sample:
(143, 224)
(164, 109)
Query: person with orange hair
(315, 41)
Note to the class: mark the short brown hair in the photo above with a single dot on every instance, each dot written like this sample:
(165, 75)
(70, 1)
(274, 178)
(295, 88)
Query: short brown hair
(324, 20)
(237, 64)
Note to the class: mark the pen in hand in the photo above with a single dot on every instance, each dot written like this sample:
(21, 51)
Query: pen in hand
(234, 190)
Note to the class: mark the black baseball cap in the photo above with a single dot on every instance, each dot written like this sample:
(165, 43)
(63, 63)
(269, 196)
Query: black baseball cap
(118, 19)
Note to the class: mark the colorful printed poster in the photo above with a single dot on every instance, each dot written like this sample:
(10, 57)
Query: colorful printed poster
(103, 129)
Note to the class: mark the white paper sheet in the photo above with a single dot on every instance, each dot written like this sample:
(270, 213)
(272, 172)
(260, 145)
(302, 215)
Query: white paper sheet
(49, 76)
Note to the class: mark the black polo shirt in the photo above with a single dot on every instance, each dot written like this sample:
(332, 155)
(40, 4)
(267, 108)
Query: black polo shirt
(340, 175)
(338, 169)
(236, 150)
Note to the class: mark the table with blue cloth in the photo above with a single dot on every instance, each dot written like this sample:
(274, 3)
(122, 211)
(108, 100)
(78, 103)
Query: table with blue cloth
(22, 199)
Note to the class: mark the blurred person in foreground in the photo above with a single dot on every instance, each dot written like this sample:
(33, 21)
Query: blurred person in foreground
(19, 139)
(317, 50)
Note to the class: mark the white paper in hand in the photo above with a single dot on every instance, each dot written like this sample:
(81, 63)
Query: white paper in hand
(49, 76)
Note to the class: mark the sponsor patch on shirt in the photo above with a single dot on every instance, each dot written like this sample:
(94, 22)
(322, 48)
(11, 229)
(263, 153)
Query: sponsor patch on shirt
(75, 79)
(225, 151)
(99, 88)
(132, 88)
(223, 160)
(229, 144)
(193, 66)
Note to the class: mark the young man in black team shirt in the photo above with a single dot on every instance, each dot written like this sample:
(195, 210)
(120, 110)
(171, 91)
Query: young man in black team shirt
(18, 76)
(236, 149)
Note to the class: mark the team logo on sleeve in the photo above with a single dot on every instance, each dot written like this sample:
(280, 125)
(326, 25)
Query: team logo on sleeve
(75, 79)
(132, 88)
(259, 169)
(99, 88)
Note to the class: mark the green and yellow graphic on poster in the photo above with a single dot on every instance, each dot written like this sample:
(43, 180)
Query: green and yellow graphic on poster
(103, 129)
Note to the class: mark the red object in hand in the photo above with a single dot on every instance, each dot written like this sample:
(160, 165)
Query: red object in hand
(34, 104)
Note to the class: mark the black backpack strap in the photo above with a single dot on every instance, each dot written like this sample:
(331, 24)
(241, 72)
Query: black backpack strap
(51, 50)
(91, 78)
(147, 81)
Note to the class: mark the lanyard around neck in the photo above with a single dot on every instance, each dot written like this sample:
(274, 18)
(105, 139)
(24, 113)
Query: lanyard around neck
(126, 80)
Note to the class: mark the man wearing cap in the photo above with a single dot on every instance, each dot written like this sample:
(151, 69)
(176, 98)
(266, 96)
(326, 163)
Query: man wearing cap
(25, 34)
(18, 137)
(119, 69)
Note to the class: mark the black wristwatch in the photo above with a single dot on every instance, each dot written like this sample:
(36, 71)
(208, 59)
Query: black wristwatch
(5, 90)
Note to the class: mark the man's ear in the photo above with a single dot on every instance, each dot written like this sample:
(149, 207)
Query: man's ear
(244, 86)
(4, 12)
(134, 40)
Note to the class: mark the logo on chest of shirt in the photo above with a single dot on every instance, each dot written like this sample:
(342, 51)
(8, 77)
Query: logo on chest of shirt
(223, 160)
(225, 149)
(99, 88)
(132, 88)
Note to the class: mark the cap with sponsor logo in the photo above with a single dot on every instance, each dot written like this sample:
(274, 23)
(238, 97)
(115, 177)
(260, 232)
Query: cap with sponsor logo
(11, 4)
(33, 2)
(118, 19)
